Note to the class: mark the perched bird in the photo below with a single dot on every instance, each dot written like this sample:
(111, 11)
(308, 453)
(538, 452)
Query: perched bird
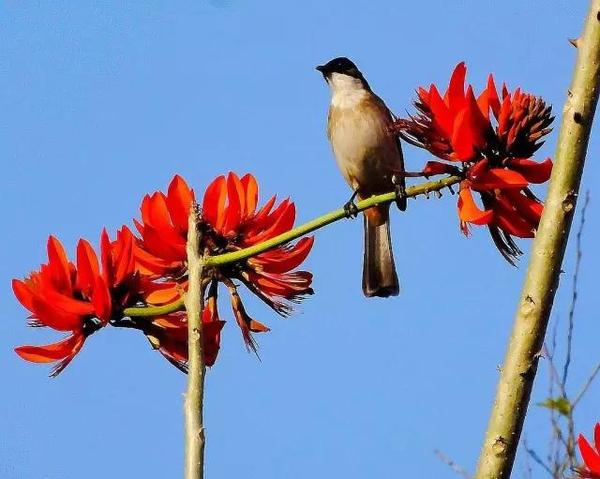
(370, 159)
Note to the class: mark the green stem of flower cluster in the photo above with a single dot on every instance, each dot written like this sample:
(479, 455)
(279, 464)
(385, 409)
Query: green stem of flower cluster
(547, 252)
(326, 219)
(309, 227)
(146, 311)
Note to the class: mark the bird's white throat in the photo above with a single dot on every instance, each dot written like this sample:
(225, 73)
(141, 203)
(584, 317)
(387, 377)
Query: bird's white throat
(346, 91)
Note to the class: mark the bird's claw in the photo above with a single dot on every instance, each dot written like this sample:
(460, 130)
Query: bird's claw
(351, 209)
(400, 190)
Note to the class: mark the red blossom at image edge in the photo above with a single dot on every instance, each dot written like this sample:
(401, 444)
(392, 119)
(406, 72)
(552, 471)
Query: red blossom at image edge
(77, 298)
(490, 141)
(590, 455)
(150, 270)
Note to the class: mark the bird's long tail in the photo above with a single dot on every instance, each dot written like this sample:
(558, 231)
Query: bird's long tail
(379, 272)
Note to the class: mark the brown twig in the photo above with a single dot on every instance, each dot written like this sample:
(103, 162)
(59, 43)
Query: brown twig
(452, 465)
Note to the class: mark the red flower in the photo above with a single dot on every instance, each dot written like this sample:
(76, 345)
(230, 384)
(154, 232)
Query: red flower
(453, 127)
(590, 455)
(169, 334)
(459, 127)
(510, 208)
(494, 139)
(76, 299)
(163, 229)
(229, 220)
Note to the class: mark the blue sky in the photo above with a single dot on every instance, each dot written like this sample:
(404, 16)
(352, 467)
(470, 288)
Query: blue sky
(104, 101)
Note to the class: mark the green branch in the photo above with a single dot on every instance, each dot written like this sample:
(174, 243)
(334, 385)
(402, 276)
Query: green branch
(149, 311)
(547, 252)
(326, 219)
(317, 223)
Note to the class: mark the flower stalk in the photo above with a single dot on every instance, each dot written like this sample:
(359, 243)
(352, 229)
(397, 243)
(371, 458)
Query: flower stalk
(542, 277)
(326, 219)
(194, 397)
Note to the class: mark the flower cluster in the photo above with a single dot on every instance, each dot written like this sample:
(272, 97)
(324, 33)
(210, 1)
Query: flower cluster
(148, 270)
(590, 455)
(489, 140)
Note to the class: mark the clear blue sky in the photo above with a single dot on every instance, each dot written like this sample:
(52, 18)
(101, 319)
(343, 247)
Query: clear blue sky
(103, 101)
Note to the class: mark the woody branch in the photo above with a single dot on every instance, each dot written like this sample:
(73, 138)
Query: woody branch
(541, 281)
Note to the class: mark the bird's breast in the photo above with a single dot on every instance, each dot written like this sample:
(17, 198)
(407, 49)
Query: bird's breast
(366, 152)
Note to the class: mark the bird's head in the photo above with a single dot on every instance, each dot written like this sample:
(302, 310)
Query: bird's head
(342, 72)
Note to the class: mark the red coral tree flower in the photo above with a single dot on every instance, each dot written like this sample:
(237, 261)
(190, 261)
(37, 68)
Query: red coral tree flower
(590, 455)
(493, 138)
(169, 334)
(76, 299)
(229, 220)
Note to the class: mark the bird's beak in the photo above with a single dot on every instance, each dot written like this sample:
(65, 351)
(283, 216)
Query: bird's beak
(321, 68)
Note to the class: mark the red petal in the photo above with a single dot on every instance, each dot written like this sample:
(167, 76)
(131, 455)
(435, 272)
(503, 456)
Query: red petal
(87, 266)
(101, 300)
(106, 256)
(285, 222)
(149, 265)
(179, 200)
(455, 95)
(124, 261)
(251, 193)
(24, 294)
(499, 178)
(161, 293)
(213, 204)
(492, 96)
(469, 211)
(441, 115)
(590, 457)
(59, 264)
(533, 171)
(51, 352)
(437, 168)
(235, 205)
(67, 304)
(284, 260)
(166, 244)
(529, 209)
(265, 210)
(507, 218)
(55, 318)
(257, 327)
(158, 213)
(463, 137)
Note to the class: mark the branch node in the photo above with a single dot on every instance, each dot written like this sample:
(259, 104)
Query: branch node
(569, 202)
(500, 446)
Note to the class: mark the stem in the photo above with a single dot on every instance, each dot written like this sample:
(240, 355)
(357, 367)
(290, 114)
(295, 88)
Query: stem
(320, 222)
(541, 281)
(147, 311)
(325, 220)
(194, 428)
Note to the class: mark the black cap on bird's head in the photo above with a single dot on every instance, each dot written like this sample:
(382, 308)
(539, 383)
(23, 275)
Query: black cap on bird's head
(340, 65)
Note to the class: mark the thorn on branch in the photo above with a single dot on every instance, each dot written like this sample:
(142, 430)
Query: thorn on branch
(574, 42)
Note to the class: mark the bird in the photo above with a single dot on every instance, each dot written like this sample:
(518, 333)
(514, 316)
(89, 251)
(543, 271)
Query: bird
(370, 159)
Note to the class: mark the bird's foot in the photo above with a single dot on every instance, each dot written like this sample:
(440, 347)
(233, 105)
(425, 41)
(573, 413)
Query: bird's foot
(400, 190)
(351, 209)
